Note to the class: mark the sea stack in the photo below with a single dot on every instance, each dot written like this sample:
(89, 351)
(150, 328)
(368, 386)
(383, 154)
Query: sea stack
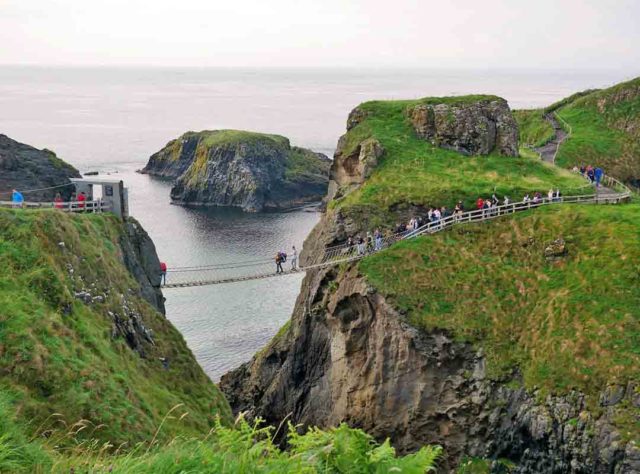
(247, 170)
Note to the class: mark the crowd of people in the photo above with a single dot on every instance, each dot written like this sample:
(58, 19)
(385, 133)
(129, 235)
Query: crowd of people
(593, 174)
(77, 201)
(376, 240)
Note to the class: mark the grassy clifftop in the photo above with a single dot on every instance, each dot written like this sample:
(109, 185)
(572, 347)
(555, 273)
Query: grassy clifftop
(412, 171)
(66, 356)
(569, 322)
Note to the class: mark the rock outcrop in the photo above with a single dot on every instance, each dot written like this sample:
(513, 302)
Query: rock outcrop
(141, 259)
(471, 127)
(246, 170)
(26, 168)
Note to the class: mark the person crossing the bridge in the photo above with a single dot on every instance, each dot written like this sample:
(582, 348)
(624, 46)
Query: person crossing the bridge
(279, 261)
(163, 273)
(294, 258)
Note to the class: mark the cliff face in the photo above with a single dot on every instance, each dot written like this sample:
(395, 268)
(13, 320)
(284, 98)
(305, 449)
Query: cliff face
(247, 170)
(140, 257)
(24, 167)
(353, 353)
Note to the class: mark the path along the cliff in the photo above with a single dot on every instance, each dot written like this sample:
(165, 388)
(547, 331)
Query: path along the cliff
(549, 150)
(612, 192)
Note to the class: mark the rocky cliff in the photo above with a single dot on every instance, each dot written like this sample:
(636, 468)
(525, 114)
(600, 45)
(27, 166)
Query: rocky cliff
(408, 357)
(247, 170)
(26, 168)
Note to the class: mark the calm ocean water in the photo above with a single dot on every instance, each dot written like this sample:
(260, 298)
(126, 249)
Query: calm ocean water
(111, 120)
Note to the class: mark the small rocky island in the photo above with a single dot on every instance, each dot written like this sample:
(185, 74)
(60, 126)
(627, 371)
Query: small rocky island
(247, 170)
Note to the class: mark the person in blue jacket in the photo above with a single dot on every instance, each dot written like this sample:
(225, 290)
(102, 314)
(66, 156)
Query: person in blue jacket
(598, 175)
(17, 198)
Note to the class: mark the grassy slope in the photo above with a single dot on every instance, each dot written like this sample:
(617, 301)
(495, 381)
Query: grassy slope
(606, 130)
(414, 171)
(52, 362)
(573, 323)
(535, 131)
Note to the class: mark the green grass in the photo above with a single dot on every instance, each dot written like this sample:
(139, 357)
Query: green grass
(606, 131)
(303, 164)
(413, 171)
(60, 363)
(567, 324)
(243, 448)
(535, 131)
(212, 138)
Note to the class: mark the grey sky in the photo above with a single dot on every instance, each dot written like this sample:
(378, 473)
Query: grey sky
(410, 33)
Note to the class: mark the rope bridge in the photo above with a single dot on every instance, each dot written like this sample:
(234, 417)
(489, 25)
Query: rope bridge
(613, 192)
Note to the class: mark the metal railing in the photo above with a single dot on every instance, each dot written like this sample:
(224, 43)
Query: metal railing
(617, 193)
(71, 206)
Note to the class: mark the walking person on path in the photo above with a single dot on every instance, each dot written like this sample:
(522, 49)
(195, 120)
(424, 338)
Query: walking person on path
(163, 273)
(294, 259)
(17, 198)
(598, 173)
(279, 263)
(58, 201)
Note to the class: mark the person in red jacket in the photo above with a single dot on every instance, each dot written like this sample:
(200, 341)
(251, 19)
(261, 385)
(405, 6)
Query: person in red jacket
(81, 200)
(58, 201)
(480, 203)
(163, 273)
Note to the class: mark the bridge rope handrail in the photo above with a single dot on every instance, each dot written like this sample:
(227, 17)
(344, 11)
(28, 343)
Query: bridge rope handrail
(344, 253)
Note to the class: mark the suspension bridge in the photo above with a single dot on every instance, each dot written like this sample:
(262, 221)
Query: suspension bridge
(612, 191)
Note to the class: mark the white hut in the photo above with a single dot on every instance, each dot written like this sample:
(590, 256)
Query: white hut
(110, 191)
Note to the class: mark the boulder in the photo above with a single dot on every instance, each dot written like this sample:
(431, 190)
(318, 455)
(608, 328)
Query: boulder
(468, 127)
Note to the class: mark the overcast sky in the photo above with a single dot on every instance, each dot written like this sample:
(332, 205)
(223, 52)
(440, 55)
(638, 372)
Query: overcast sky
(585, 34)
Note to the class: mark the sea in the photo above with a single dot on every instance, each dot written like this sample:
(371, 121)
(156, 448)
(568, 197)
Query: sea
(111, 120)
